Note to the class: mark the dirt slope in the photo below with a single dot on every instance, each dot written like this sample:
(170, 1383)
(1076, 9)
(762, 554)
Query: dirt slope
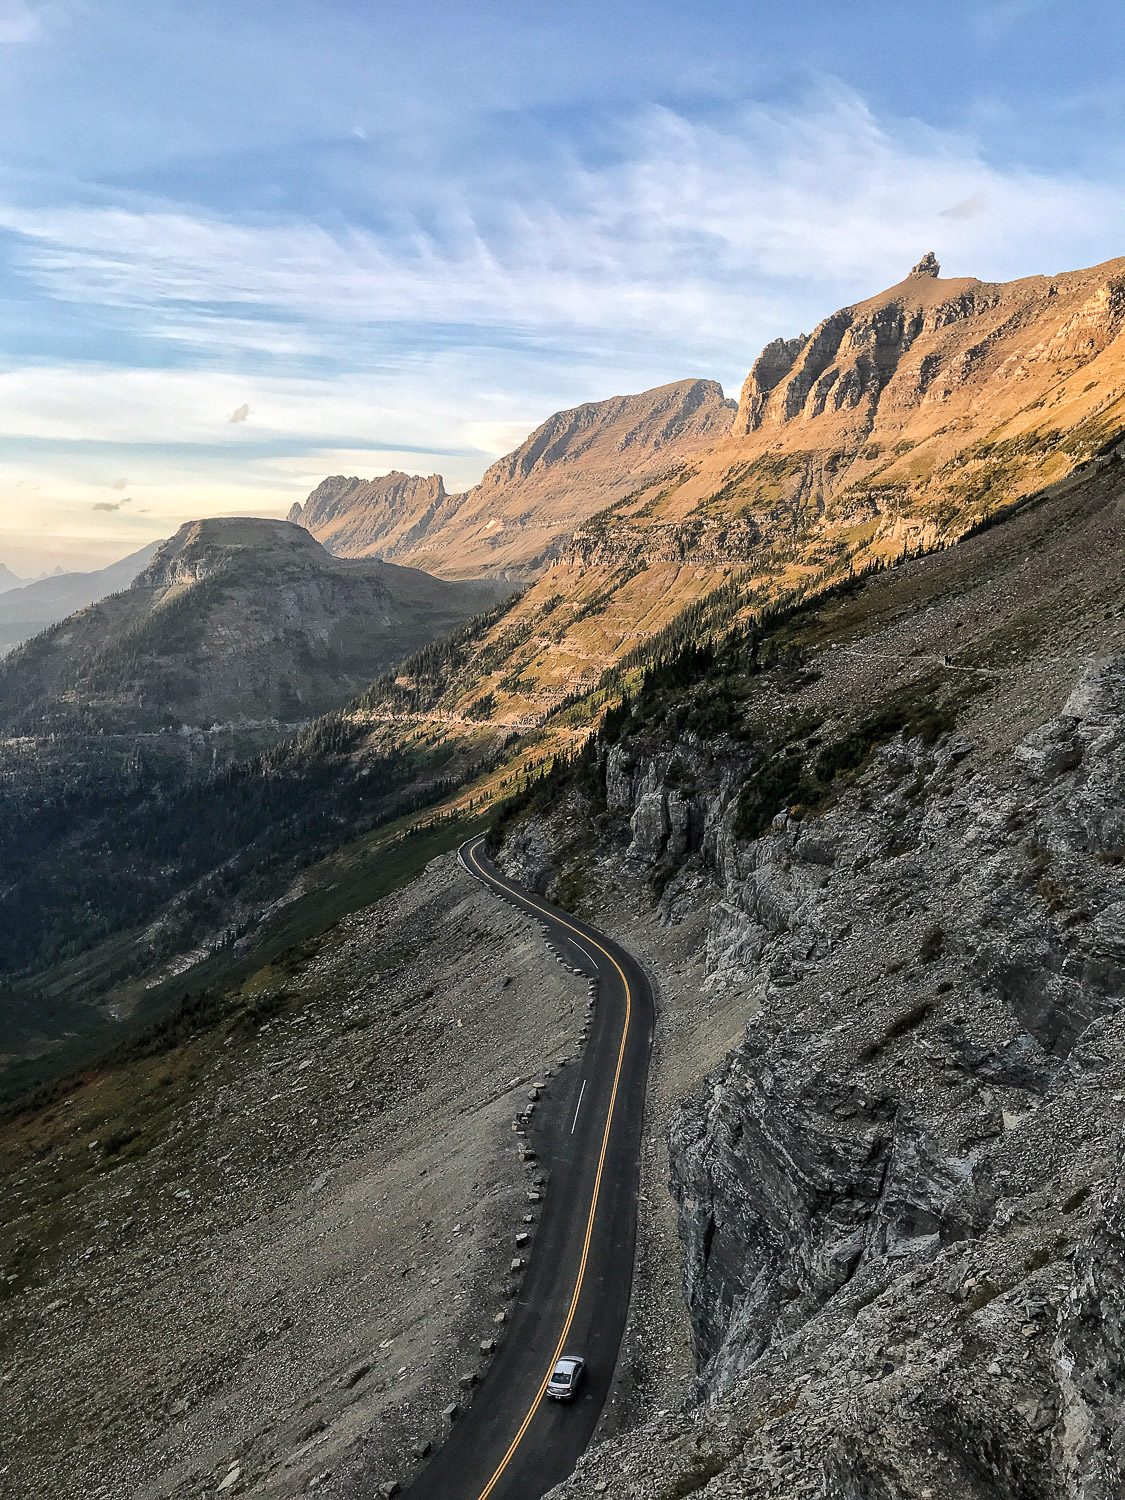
(278, 1243)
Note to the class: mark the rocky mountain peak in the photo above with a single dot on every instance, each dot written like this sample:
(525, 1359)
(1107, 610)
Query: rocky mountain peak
(340, 494)
(926, 341)
(353, 516)
(927, 266)
(646, 422)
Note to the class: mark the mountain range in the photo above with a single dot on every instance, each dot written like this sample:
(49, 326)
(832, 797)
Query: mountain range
(513, 523)
(816, 703)
(903, 419)
(627, 527)
(898, 425)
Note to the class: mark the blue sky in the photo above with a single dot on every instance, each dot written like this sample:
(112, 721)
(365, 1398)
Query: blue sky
(245, 246)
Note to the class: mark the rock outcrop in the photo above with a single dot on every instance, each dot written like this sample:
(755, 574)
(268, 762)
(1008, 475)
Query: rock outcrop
(880, 371)
(200, 549)
(381, 517)
(899, 1198)
(927, 266)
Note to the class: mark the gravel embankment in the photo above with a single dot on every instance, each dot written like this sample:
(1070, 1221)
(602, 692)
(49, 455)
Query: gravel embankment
(286, 1289)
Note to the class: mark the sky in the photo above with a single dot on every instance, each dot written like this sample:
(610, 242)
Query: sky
(246, 246)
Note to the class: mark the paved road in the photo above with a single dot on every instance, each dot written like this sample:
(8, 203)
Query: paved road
(513, 1443)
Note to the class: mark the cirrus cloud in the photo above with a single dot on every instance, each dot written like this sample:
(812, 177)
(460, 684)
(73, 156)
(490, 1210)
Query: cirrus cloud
(702, 239)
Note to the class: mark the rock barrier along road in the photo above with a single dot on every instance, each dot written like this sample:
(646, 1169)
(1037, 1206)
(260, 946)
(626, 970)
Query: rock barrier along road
(513, 1442)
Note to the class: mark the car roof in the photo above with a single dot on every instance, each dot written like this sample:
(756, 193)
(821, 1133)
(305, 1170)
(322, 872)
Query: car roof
(569, 1362)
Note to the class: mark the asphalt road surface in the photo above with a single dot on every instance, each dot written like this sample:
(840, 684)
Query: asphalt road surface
(513, 1442)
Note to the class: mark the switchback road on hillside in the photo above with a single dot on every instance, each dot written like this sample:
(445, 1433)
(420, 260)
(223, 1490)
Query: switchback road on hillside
(513, 1443)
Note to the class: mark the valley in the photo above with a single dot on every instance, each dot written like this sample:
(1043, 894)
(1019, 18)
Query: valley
(28, 608)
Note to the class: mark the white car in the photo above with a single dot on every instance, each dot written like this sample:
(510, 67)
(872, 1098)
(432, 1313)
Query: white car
(566, 1377)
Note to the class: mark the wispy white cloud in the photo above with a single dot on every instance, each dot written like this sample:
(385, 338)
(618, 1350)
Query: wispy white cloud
(65, 405)
(19, 22)
(705, 237)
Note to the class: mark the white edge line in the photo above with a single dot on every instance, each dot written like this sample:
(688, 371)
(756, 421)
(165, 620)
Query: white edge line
(582, 950)
(581, 1091)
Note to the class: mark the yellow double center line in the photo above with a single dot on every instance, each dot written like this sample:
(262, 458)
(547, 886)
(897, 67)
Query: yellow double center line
(592, 1216)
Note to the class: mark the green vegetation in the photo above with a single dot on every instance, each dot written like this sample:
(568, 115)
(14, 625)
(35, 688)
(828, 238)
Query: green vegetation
(420, 681)
(762, 482)
(483, 707)
(101, 834)
(92, 844)
(238, 986)
(800, 777)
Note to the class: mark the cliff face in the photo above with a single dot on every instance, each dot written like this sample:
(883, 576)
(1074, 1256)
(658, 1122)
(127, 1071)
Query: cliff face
(900, 1196)
(929, 341)
(200, 549)
(911, 416)
(511, 524)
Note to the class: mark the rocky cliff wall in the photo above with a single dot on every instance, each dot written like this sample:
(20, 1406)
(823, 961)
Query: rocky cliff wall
(900, 1200)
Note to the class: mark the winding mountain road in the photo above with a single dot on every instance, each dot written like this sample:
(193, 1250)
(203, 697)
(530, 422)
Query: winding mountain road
(513, 1443)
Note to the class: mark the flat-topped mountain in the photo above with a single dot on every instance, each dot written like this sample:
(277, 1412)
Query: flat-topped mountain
(233, 621)
(512, 523)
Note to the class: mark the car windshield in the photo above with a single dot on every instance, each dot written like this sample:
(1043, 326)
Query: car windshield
(562, 1377)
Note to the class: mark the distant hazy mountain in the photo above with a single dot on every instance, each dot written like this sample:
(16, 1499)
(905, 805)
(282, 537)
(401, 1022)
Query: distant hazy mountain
(28, 608)
(231, 622)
